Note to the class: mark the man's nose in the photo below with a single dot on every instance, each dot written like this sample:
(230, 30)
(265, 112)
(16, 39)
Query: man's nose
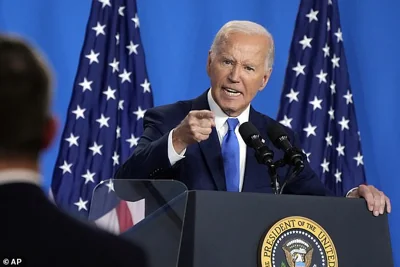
(234, 75)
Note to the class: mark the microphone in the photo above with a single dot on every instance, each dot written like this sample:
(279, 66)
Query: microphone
(252, 138)
(279, 138)
(264, 155)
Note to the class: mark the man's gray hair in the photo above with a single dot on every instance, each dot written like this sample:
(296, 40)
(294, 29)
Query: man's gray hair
(246, 27)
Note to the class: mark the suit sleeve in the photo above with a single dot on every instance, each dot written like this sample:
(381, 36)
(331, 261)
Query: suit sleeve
(150, 157)
(307, 183)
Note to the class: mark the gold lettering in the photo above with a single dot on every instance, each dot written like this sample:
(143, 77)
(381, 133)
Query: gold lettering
(331, 261)
(321, 235)
(277, 231)
(329, 251)
(311, 227)
(287, 224)
(324, 240)
(272, 237)
(267, 250)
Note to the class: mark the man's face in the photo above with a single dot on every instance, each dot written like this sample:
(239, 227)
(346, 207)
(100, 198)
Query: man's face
(237, 71)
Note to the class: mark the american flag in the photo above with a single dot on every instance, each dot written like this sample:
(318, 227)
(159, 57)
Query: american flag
(110, 95)
(317, 100)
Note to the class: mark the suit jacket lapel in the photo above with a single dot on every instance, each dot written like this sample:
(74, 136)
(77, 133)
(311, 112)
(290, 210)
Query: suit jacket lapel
(211, 147)
(253, 168)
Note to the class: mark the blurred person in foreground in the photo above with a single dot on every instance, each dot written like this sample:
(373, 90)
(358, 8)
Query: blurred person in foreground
(197, 141)
(32, 228)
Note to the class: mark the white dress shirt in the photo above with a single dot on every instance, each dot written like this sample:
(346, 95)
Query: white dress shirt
(222, 128)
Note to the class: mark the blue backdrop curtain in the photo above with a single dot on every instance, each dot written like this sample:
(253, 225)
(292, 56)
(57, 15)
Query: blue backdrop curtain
(177, 34)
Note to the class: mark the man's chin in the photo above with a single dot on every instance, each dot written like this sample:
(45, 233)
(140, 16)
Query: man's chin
(229, 107)
(231, 112)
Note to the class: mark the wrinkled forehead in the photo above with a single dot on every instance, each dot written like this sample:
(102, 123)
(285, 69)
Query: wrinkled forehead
(250, 47)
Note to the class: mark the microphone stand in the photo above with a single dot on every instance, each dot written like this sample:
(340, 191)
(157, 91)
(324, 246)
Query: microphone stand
(295, 172)
(272, 171)
(274, 178)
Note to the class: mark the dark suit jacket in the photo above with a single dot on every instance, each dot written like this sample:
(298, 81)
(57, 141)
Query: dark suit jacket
(202, 167)
(37, 232)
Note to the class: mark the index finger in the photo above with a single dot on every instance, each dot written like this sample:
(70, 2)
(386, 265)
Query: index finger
(369, 197)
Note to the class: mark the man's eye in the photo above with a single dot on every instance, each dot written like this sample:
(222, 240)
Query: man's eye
(249, 68)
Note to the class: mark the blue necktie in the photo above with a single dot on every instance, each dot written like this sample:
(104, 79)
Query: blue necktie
(230, 154)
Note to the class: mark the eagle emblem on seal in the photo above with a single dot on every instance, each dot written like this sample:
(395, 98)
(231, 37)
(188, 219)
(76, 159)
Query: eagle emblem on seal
(298, 253)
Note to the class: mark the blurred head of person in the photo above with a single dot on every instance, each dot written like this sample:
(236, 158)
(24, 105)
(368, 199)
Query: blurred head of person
(27, 125)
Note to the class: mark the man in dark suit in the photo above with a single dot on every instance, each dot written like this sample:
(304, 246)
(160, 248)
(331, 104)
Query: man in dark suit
(197, 141)
(33, 232)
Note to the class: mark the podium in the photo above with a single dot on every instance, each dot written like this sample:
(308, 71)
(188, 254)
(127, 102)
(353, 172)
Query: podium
(179, 227)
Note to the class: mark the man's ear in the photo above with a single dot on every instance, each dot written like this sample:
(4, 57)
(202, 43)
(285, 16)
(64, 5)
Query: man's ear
(209, 60)
(50, 132)
(265, 79)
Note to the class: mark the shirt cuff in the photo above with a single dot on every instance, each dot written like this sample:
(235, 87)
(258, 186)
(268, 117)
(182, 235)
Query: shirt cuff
(172, 155)
(351, 190)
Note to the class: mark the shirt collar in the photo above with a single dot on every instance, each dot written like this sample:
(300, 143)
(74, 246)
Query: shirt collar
(20, 175)
(220, 116)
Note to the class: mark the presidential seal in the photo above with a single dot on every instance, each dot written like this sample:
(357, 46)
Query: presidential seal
(297, 242)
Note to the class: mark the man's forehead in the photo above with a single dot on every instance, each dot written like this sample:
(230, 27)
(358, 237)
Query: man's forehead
(245, 41)
(250, 51)
(237, 37)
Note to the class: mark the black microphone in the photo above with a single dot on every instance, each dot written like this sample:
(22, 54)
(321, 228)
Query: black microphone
(278, 136)
(252, 138)
(264, 155)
